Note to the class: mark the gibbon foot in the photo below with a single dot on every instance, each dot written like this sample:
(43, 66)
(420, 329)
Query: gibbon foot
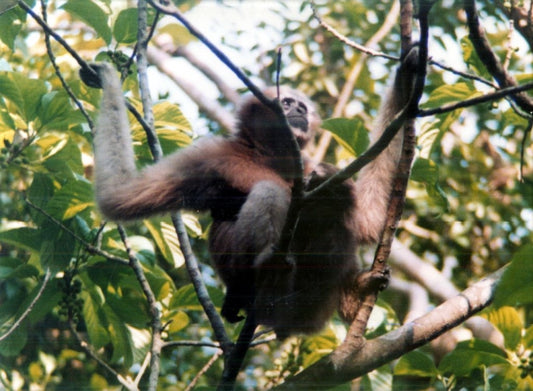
(370, 281)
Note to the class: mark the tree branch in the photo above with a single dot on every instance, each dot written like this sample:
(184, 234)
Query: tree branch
(28, 310)
(353, 75)
(488, 57)
(331, 370)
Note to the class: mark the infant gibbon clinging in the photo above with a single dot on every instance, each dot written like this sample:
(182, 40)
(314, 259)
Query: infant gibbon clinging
(245, 181)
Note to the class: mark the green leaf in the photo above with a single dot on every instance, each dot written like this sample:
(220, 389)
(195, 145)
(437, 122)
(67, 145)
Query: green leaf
(56, 113)
(23, 92)
(91, 14)
(515, 287)
(179, 34)
(25, 237)
(73, 198)
(93, 300)
(14, 268)
(427, 172)
(350, 133)
(178, 321)
(165, 237)
(416, 363)
(185, 298)
(470, 355)
(7, 5)
(508, 321)
(120, 337)
(10, 20)
(13, 344)
(41, 190)
(125, 27)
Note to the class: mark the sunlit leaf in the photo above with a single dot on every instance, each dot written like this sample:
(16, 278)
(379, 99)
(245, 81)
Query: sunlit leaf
(470, 355)
(508, 321)
(92, 14)
(416, 364)
(350, 133)
(125, 27)
(515, 287)
(23, 92)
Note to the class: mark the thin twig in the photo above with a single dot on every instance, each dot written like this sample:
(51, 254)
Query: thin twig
(87, 349)
(155, 148)
(504, 92)
(27, 311)
(348, 41)
(52, 58)
(199, 286)
(353, 76)
(88, 246)
(203, 370)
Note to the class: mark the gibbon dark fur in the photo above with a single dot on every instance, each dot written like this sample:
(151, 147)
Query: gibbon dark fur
(245, 181)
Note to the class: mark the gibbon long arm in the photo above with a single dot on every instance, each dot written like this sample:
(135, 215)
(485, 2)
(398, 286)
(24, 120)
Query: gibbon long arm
(201, 177)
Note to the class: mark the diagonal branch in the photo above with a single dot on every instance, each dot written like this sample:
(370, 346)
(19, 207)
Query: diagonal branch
(488, 57)
(330, 371)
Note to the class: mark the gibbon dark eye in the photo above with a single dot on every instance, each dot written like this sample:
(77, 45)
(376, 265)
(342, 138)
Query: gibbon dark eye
(302, 108)
(287, 103)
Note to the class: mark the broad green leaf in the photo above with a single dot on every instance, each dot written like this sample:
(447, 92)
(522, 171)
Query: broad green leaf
(508, 321)
(56, 113)
(179, 34)
(120, 337)
(451, 93)
(10, 20)
(125, 27)
(129, 309)
(427, 172)
(165, 237)
(416, 364)
(24, 237)
(14, 268)
(350, 133)
(7, 5)
(24, 93)
(41, 190)
(92, 14)
(64, 159)
(178, 321)
(515, 287)
(470, 355)
(73, 198)
(13, 344)
(185, 298)
(93, 316)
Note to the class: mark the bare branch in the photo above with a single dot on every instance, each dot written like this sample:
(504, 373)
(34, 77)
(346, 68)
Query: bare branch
(127, 383)
(488, 57)
(28, 310)
(52, 58)
(353, 75)
(505, 92)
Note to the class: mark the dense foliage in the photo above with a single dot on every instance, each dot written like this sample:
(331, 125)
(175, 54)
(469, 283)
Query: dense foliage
(469, 204)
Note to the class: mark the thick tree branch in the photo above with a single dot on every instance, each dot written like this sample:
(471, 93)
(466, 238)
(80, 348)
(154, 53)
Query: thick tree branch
(333, 370)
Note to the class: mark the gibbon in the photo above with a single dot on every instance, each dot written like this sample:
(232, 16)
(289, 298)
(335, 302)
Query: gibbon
(245, 181)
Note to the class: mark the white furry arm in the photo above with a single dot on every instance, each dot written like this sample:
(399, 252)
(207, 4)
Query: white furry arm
(374, 184)
(114, 159)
